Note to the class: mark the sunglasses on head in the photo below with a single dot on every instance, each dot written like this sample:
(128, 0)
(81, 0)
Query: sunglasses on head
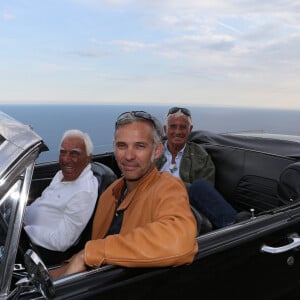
(137, 114)
(174, 110)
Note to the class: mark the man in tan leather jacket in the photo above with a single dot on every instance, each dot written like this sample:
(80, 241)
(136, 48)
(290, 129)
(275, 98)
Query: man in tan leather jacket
(144, 218)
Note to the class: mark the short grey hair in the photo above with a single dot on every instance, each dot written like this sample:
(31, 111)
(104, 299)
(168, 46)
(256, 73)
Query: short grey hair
(83, 135)
(157, 130)
(177, 114)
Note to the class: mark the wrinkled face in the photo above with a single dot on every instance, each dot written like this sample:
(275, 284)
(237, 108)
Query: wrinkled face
(73, 158)
(177, 130)
(134, 150)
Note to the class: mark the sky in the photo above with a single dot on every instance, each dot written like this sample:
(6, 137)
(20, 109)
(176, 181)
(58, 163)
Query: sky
(173, 52)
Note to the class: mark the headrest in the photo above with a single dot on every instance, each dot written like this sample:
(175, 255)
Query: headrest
(104, 174)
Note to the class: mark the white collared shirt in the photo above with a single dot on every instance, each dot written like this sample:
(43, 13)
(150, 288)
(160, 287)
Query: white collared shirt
(168, 166)
(56, 219)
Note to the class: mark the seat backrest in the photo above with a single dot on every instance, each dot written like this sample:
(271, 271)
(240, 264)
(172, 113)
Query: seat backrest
(289, 183)
(105, 176)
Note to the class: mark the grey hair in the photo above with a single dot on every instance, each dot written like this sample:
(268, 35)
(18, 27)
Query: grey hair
(157, 130)
(179, 113)
(83, 135)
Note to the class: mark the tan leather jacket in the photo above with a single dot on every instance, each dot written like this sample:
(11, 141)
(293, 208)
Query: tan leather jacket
(158, 226)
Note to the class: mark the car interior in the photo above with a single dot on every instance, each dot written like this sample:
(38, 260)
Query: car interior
(251, 181)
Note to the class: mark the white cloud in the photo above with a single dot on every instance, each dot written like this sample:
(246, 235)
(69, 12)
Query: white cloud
(7, 16)
(235, 52)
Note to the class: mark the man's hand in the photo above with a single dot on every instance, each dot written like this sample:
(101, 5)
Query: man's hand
(74, 265)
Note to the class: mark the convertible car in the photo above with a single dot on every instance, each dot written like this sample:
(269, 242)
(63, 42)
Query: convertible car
(255, 258)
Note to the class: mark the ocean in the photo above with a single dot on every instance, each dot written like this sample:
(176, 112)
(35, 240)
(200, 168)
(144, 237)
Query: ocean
(50, 121)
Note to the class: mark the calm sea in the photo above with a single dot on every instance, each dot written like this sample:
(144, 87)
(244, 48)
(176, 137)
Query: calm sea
(50, 121)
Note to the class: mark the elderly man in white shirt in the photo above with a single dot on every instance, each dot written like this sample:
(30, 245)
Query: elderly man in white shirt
(55, 220)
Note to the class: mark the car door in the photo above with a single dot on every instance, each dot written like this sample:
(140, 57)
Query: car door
(232, 262)
(236, 263)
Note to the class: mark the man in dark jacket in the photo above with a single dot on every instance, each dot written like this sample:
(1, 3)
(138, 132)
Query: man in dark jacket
(190, 162)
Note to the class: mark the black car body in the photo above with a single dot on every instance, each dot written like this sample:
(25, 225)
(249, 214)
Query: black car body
(256, 258)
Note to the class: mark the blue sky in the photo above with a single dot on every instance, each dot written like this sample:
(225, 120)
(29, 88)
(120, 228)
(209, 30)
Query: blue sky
(214, 52)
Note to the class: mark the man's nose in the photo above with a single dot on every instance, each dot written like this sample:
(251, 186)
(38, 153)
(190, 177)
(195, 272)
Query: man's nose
(177, 129)
(129, 153)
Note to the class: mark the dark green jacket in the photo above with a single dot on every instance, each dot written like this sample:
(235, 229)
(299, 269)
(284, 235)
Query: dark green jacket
(196, 163)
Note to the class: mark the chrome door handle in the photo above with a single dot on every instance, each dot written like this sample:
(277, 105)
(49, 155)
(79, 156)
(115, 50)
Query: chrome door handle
(295, 242)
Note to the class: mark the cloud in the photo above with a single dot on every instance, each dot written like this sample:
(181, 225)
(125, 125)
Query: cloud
(130, 46)
(7, 16)
(216, 51)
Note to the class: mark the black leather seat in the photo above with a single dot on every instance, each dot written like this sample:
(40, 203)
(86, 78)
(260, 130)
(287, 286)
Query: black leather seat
(288, 187)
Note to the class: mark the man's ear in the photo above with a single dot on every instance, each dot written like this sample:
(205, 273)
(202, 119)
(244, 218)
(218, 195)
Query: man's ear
(165, 129)
(158, 150)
